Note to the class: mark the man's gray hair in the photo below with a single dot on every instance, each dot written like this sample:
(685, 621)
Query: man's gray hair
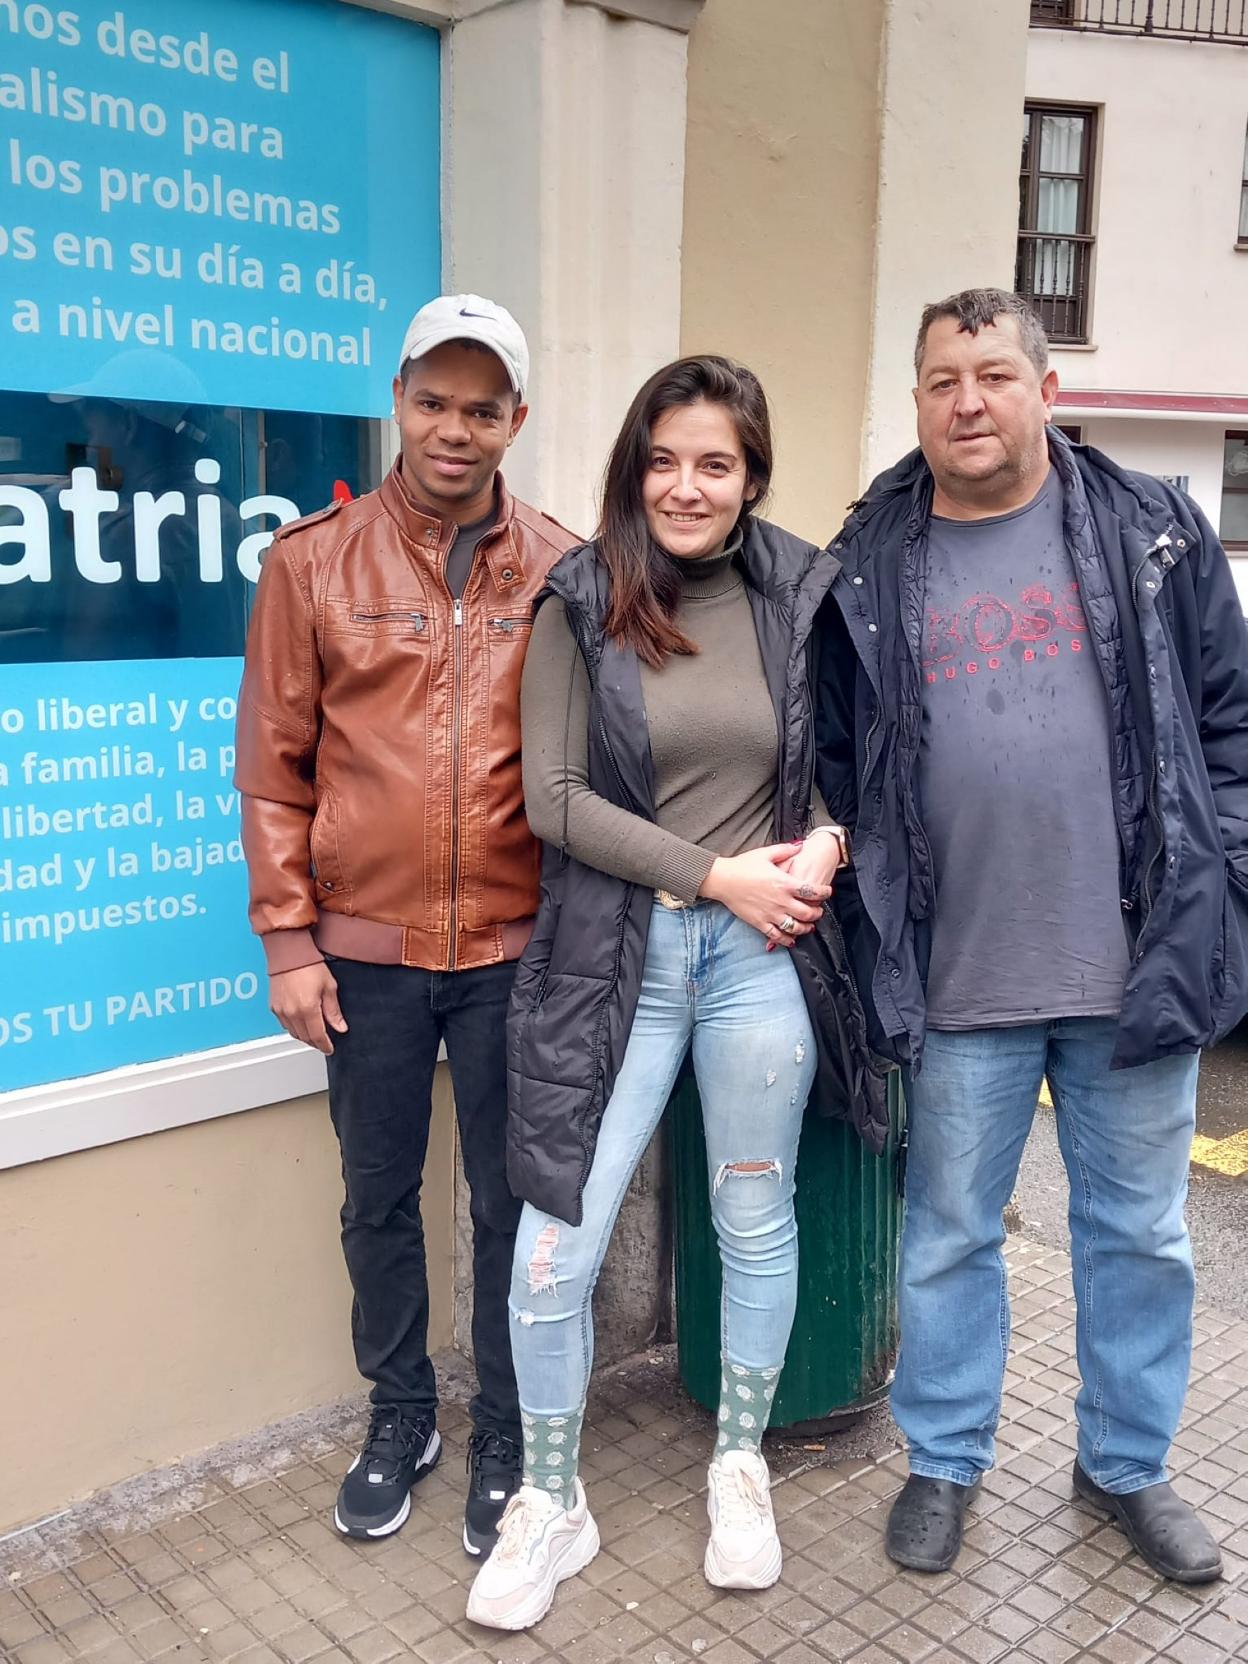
(975, 309)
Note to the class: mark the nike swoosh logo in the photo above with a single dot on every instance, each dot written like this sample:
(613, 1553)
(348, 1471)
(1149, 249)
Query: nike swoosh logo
(465, 313)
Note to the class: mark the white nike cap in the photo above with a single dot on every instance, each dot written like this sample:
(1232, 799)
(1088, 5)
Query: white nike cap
(469, 318)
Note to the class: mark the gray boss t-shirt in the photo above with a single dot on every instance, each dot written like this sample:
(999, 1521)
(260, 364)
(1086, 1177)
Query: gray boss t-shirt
(1014, 779)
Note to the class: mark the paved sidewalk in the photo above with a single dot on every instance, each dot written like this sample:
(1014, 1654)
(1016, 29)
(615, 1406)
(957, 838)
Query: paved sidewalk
(235, 1559)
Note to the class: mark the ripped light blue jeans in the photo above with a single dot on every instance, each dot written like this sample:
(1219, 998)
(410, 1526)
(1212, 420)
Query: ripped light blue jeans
(709, 980)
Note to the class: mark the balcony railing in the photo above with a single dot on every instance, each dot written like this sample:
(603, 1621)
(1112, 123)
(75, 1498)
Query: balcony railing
(1224, 21)
(1054, 273)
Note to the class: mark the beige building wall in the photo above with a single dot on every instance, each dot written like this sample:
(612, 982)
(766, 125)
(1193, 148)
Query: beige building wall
(781, 168)
(847, 161)
(166, 1293)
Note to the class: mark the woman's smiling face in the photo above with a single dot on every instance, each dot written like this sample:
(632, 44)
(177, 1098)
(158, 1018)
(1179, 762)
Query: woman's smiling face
(697, 480)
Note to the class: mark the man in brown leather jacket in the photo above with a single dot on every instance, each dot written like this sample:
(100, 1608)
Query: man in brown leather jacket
(393, 875)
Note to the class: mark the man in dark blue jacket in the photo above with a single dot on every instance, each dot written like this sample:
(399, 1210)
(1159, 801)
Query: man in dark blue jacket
(1033, 710)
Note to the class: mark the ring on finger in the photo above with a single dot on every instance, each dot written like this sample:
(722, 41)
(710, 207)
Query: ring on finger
(788, 924)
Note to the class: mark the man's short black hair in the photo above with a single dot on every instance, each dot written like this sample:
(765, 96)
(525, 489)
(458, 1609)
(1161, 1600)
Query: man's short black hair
(976, 309)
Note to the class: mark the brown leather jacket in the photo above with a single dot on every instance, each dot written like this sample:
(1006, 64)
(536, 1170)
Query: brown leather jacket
(379, 737)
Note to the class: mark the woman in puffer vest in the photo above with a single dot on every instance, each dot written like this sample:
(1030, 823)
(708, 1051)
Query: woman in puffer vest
(668, 769)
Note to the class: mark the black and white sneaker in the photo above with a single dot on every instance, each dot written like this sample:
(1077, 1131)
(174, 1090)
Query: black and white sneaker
(494, 1467)
(376, 1495)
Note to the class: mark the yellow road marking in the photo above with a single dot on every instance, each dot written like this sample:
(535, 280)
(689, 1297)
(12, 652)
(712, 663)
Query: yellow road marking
(1228, 1156)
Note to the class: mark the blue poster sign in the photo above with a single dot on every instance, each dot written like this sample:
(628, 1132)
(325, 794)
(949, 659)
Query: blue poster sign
(123, 895)
(232, 203)
(216, 217)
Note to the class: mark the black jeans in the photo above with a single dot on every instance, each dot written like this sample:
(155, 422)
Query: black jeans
(380, 1085)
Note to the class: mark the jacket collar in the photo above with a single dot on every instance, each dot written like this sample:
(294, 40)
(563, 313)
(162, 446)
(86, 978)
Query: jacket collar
(778, 563)
(431, 536)
(1135, 498)
(783, 568)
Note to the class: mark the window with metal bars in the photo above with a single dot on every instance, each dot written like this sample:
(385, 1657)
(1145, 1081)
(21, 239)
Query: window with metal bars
(1055, 241)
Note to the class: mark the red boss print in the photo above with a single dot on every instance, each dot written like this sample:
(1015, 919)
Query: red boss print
(976, 633)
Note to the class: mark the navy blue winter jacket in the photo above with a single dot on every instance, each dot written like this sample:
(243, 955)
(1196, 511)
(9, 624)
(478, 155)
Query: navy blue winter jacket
(1169, 636)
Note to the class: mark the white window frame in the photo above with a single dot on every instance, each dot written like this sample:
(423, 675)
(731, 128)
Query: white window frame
(52, 1120)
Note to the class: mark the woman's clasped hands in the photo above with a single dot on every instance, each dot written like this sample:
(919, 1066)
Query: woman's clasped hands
(779, 889)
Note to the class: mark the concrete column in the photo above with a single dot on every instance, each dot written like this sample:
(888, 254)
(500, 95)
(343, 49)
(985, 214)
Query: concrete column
(847, 161)
(780, 200)
(564, 190)
(564, 181)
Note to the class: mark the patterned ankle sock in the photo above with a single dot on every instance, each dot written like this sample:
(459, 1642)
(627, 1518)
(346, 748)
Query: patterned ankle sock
(745, 1397)
(552, 1452)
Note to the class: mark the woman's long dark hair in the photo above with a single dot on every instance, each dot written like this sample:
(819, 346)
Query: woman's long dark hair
(645, 586)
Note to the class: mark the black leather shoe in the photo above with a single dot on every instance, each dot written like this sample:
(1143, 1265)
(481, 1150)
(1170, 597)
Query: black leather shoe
(1161, 1528)
(925, 1525)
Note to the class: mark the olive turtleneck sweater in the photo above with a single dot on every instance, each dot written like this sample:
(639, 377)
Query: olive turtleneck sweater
(712, 738)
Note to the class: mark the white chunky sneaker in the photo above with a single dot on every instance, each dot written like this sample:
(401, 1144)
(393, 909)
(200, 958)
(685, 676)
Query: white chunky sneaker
(744, 1550)
(539, 1544)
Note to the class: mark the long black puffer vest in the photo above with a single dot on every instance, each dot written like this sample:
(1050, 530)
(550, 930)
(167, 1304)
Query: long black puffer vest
(577, 985)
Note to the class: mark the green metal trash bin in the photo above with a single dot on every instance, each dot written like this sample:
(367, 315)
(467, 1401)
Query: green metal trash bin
(844, 1339)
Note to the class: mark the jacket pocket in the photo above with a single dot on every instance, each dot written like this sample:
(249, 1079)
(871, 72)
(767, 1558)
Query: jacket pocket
(1230, 960)
(365, 642)
(325, 848)
(398, 616)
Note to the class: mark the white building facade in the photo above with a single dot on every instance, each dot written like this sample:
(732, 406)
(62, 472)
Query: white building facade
(1133, 236)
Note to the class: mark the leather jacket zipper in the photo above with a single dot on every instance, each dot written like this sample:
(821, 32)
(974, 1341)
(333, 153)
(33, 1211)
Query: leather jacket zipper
(417, 618)
(457, 635)
(457, 720)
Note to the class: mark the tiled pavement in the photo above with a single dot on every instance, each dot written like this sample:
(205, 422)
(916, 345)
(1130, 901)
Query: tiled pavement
(246, 1566)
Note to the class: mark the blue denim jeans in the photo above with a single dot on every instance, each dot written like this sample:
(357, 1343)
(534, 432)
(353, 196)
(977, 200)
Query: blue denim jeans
(1125, 1136)
(709, 980)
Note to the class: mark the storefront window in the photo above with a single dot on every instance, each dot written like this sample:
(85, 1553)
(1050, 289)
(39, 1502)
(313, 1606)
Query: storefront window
(135, 529)
(215, 219)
